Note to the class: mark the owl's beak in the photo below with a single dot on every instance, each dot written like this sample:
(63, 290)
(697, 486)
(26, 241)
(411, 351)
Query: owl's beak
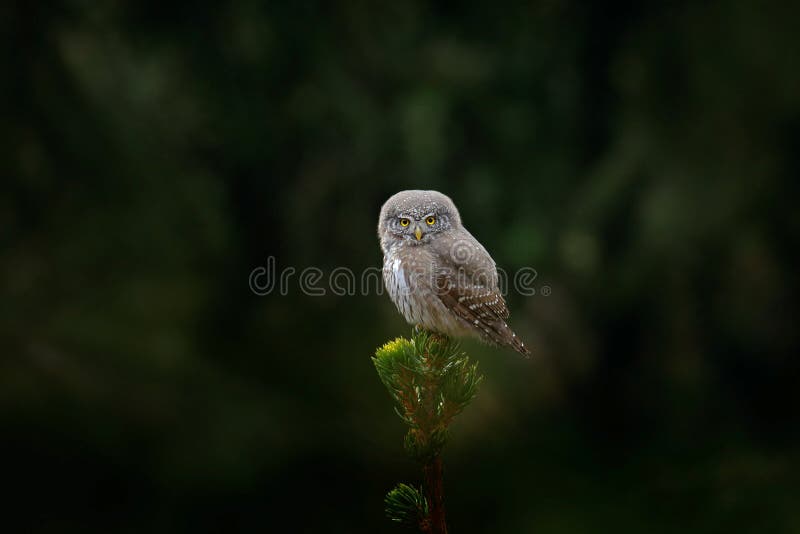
(418, 233)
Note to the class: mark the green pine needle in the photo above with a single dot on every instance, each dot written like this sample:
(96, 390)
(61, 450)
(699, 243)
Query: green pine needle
(406, 505)
(430, 381)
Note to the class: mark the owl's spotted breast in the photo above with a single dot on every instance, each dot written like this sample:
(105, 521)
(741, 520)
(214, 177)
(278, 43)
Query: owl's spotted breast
(410, 283)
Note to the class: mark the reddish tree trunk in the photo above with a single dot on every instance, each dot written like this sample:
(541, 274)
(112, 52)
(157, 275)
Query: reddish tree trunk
(432, 472)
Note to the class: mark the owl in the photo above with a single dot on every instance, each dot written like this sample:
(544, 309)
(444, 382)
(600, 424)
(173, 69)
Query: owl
(437, 274)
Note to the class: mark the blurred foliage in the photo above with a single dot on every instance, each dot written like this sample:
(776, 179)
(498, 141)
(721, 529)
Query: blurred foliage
(643, 157)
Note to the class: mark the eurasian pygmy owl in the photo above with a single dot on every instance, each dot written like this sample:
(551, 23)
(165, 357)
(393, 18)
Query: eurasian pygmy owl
(436, 272)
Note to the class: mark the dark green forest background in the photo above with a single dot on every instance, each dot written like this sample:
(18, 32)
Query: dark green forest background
(642, 157)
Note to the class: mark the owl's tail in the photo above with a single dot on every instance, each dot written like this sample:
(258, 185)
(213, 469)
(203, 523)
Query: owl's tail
(501, 334)
(519, 346)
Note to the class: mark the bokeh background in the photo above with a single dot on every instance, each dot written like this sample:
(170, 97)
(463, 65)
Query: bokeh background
(642, 157)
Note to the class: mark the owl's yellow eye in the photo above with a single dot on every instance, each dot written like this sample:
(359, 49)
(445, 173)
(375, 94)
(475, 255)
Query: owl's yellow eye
(404, 222)
(431, 221)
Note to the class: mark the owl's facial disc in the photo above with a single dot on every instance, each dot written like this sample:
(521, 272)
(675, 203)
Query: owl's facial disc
(416, 217)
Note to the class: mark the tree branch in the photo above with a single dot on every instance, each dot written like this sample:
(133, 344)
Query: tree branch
(430, 381)
(434, 493)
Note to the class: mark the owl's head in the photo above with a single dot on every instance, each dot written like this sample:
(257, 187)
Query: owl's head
(416, 216)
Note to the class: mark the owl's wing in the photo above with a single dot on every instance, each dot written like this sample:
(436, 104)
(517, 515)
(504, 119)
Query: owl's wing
(471, 301)
(468, 277)
(467, 285)
(483, 308)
